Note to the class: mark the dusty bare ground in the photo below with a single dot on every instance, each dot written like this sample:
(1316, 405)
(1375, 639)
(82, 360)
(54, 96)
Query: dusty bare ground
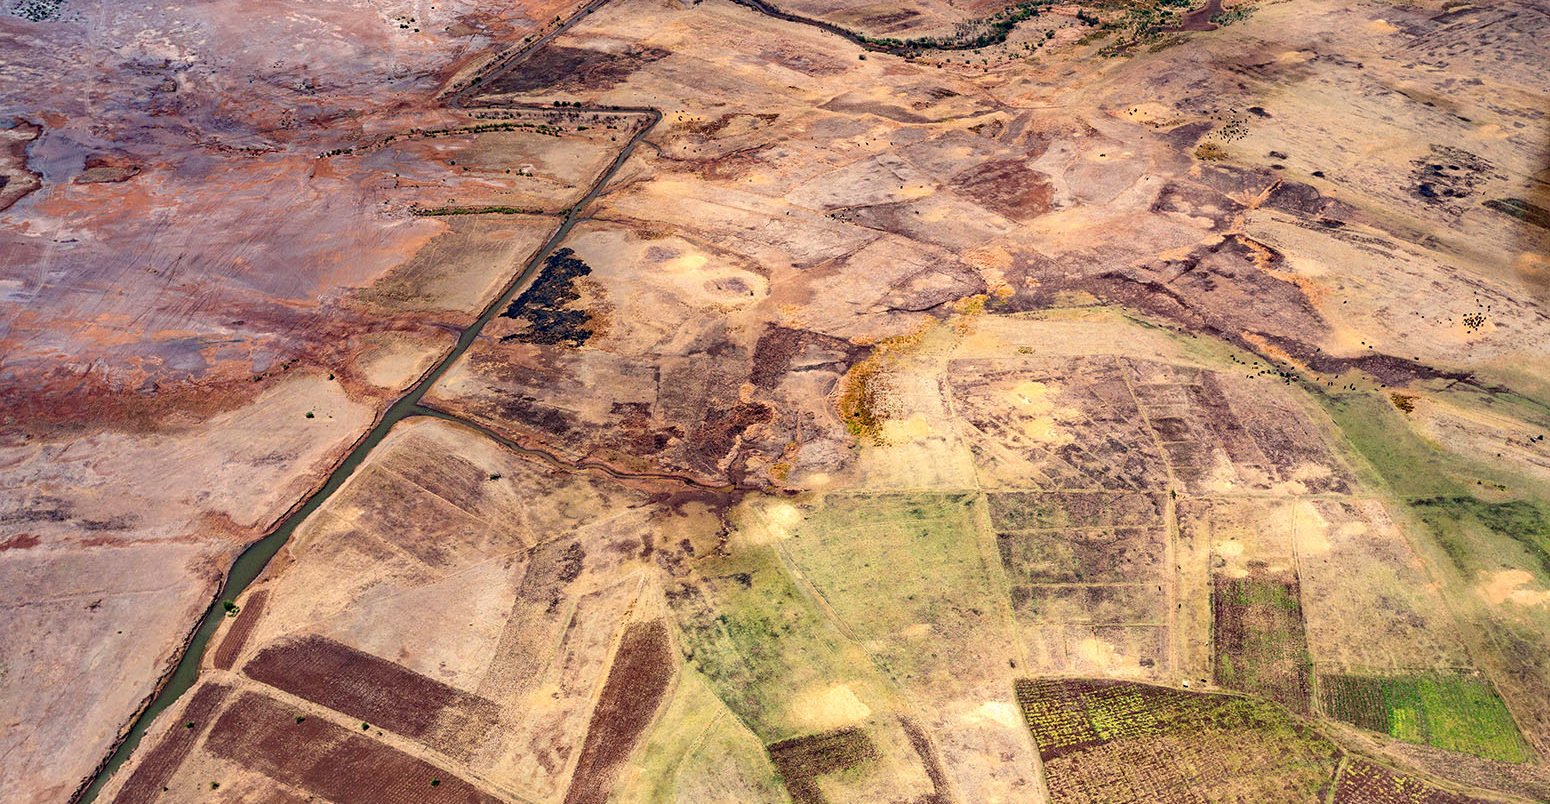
(1091, 299)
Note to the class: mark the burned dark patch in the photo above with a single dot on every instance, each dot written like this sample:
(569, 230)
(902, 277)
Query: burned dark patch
(1008, 187)
(1387, 369)
(542, 304)
(858, 104)
(889, 20)
(1196, 201)
(570, 563)
(373, 689)
(931, 287)
(524, 409)
(1305, 201)
(807, 63)
(1221, 288)
(801, 760)
(329, 760)
(641, 671)
(719, 431)
(1447, 175)
(1243, 183)
(1020, 510)
(1185, 137)
(556, 67)
(1087, 555)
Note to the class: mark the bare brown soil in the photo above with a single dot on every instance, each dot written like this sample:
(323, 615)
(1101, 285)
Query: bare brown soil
(237, 636)
(641, 672)
(559, 68)
(146, 783)
(375, 690)
(802, 760)
(803, 199)
(1008, 187)
(329, 760)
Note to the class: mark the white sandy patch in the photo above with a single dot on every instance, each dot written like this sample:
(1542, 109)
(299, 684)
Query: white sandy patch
(830, 708)
(1105, 655)
(1312, 530)
(1506, 586)
(914, 428)
(1000, 713)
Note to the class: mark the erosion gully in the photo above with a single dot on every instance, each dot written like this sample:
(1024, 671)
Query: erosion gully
(252, 561)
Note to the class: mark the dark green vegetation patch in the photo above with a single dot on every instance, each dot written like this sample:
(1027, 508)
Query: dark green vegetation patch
(1455, 711)
(1115, 741)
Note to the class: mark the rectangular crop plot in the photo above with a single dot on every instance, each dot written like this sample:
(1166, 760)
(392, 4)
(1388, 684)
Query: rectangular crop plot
(1257, 631)
(1116, 603)
(636, 682)
(1061, 510)
(1105, 555)
(1362, 782)
(373, 689)
(145, 784)
(329, 760)
(802, 760)
(1116, 742)
(237, 636)
(1056, 423)
(1454, 711)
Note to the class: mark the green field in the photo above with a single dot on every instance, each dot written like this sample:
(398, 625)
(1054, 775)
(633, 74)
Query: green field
(759, 640)
(1457, 712)
(1465, 527)
(1406, 462)
(908, 577)
(698, 751)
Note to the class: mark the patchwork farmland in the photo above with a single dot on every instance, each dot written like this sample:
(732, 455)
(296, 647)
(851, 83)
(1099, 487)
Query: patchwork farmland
(1125, 401)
